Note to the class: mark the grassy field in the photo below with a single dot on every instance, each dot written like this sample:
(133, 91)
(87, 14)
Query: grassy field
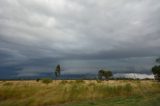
(80, 93)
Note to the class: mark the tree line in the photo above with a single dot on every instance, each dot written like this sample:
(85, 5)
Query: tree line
(107, 74)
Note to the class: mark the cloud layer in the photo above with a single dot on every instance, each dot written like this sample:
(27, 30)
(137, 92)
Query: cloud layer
(38, 34)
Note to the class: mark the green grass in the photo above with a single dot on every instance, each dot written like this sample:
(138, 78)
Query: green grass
(121, 101)
(79, 93)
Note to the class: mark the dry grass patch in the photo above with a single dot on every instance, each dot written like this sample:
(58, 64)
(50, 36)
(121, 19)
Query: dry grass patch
(32, 93)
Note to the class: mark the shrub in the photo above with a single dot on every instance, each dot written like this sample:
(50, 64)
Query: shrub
(79, 81)
(99, 81)
(37, 79)
(7, 84)
(46, 80)
(63, 82)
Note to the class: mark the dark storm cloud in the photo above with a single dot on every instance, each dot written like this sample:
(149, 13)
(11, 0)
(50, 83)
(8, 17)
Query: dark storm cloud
(38, 34)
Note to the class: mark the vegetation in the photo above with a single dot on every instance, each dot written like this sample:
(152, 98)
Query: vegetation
(156, 70)
(103, 73)
(79, 93)
(80, 81)
(7, 83)
(99, 81)
(47, 80)
(58, 71)
(121, 101)
(37, 79)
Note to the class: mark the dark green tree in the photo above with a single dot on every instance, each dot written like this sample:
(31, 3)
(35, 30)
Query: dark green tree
(58, 71)
(104, 73)
(156, 70)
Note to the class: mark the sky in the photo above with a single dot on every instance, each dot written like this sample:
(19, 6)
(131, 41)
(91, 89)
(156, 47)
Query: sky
(83, 36)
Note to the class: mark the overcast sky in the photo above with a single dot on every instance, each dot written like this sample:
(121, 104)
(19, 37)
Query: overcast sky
(81, 35)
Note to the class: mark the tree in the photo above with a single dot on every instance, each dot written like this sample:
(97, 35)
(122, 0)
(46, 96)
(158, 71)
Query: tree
(156, 70)
(103, 73)
(58, 71)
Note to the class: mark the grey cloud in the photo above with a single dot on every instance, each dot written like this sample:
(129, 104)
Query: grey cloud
(63, 30)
